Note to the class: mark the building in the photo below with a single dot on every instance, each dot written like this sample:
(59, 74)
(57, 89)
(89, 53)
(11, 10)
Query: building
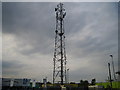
(118, 75)
(10, 82)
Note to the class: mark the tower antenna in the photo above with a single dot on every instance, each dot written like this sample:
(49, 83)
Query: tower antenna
(59, 70)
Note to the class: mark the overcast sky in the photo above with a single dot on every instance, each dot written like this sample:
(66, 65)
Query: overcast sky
(60, 0)
(91, 31)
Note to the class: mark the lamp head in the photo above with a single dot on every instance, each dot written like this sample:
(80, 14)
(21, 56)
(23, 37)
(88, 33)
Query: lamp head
(111, 55)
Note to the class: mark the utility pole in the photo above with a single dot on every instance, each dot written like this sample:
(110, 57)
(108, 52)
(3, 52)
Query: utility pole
(110, 75)
(59, 71)
(113, 67)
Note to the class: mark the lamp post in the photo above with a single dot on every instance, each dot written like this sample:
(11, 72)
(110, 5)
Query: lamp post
(68, 75)
(110, 75)
(113, 67)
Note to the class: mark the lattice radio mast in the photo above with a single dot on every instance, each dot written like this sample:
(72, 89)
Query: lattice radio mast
(59, 71)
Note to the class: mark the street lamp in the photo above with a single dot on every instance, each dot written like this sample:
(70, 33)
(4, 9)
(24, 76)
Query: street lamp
(113, 67)
(68, 75)
(110, 80)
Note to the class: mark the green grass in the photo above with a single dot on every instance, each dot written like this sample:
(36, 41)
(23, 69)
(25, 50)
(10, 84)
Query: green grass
(114, 84)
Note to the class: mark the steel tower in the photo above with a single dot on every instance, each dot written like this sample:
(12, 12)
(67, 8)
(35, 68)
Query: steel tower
(59, 71)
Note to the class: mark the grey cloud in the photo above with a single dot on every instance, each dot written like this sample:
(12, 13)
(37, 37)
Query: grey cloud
(33, 19)
(103, 36)
(11, 68)
(11, 64)
(34, 24)
(30, 26)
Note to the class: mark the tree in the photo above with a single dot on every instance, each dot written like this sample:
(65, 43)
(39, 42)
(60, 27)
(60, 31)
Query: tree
(84, 84)
(72, 82)
(93, 82)
(81, 81)
(49, 83)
